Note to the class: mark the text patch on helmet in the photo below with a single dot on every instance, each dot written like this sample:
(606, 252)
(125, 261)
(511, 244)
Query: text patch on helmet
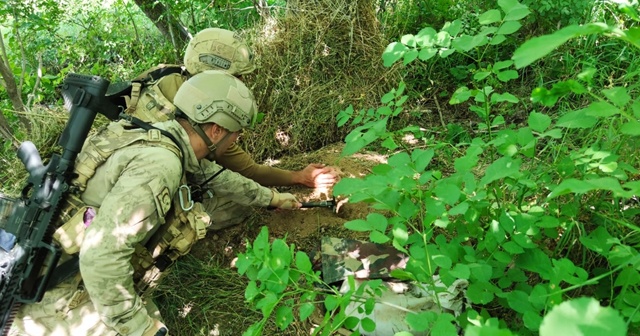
(215, 60)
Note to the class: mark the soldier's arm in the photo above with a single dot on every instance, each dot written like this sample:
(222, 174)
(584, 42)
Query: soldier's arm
(230, 184)
(134, 207)
(239, 161)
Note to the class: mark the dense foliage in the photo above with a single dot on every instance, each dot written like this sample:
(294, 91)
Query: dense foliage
(522, 176)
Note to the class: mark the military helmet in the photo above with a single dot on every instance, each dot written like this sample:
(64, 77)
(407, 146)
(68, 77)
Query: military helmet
(218, 49)
(218, 97)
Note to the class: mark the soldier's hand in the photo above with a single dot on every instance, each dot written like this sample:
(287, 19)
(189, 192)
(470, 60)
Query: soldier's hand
(317, 175)
(284, 201)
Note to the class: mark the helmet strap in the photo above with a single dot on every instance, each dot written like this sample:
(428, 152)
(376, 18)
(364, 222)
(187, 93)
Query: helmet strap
(210, 145)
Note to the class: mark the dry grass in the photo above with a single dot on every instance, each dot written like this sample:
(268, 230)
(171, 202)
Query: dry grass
(313, 62)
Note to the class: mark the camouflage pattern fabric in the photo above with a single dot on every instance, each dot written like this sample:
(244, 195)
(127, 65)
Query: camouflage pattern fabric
(364, 260)
(134, 189)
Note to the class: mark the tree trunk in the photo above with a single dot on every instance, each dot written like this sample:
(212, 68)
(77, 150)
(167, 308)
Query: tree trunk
(12, 91)
(166, 22)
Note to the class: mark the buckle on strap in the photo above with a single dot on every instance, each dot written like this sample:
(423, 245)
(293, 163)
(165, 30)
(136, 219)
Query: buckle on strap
(187, 204)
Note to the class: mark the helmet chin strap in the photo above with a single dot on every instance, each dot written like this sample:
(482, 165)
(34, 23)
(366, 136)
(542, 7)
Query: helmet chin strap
(210, 145)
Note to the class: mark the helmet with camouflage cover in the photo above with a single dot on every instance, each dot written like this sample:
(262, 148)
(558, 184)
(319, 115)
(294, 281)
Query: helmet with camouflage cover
(214, 96)
(218, 49)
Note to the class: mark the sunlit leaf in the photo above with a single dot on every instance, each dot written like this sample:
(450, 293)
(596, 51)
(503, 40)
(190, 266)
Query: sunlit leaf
(583, 316)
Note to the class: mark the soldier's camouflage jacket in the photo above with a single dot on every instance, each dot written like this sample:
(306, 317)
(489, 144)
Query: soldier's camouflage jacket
(128, 220)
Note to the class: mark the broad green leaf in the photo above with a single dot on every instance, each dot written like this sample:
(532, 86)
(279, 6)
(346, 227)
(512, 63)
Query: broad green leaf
(583, 186)
(516, 13)
(481, 272)
(284, 317)
(519, 301)
(630, 128)
(378, 237)
(358, 225)
(489, 17)
(501, 168)
(509, 27)
(444, 325)
(427, 53)
(443, 39)
(481, 75)
(577, 119)
(449, 193)
(377, 221)
(501, 65)
(480, 292)
(538, 47)
(453, 27)
(393, 53)
(305, 310)
(618, 96)
(538, 121)
(504, 97)
(302, 262)
(461, 95)
(497, 39)
(425, 37)
(422, 158)
(330, 302)
(507, 75)
(460, 271)
(420, 321)
(532, 320)
(368, 324)
(409, 40)
(583, 316)
(601, 109)
(509, 5)
(555, 133)
(410, 56)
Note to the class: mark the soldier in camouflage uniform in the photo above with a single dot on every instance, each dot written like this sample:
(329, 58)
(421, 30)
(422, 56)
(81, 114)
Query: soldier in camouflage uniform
(132, 191)
(221, 49)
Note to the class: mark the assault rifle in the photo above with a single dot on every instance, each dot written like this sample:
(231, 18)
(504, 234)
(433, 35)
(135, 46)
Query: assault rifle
(28, 255)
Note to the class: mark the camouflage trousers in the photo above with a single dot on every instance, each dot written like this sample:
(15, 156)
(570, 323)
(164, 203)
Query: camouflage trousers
(224, 212)
(65, 311)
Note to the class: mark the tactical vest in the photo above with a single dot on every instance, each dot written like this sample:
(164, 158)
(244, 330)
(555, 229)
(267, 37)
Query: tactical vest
(184, 224)
(150, 95)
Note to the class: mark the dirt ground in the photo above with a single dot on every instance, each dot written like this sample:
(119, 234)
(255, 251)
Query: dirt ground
(304, 227)
(206, 296)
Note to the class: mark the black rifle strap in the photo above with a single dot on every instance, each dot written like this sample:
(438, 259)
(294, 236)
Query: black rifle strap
(64, 271)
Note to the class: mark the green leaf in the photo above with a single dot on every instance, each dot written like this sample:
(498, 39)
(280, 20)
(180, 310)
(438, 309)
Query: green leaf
(630, 128)
(444, 325)
(538, 121)
(509, 27)
(461, 95)
(480, 293)
(501, 168)
(393, 53)
(460, 271)
(420, 321)
(284, 317)
(427, 53)
(368, 324)
(516, 13)
(448, 192)
(489, 17)
(422, 158)
(426, 37)
(504, 97)
(359, 225)
(486, 330)
(601, 109)
(538, 47)
(305, 310)
(617, 95)
(519, 301)
(378, 237)
(577, 119)
(507, 75)
(410, 56)
(501, 65)
(583, 316)
(497, 39)
(453, 27)
(481, 75)
(302, 262)
(330, 302)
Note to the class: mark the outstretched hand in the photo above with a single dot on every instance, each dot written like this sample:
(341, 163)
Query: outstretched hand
(317, 175)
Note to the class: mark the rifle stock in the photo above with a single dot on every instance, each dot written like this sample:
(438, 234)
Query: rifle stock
(28, 255)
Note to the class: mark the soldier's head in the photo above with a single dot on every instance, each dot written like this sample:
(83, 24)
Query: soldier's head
(218, 106)
(218, 49)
